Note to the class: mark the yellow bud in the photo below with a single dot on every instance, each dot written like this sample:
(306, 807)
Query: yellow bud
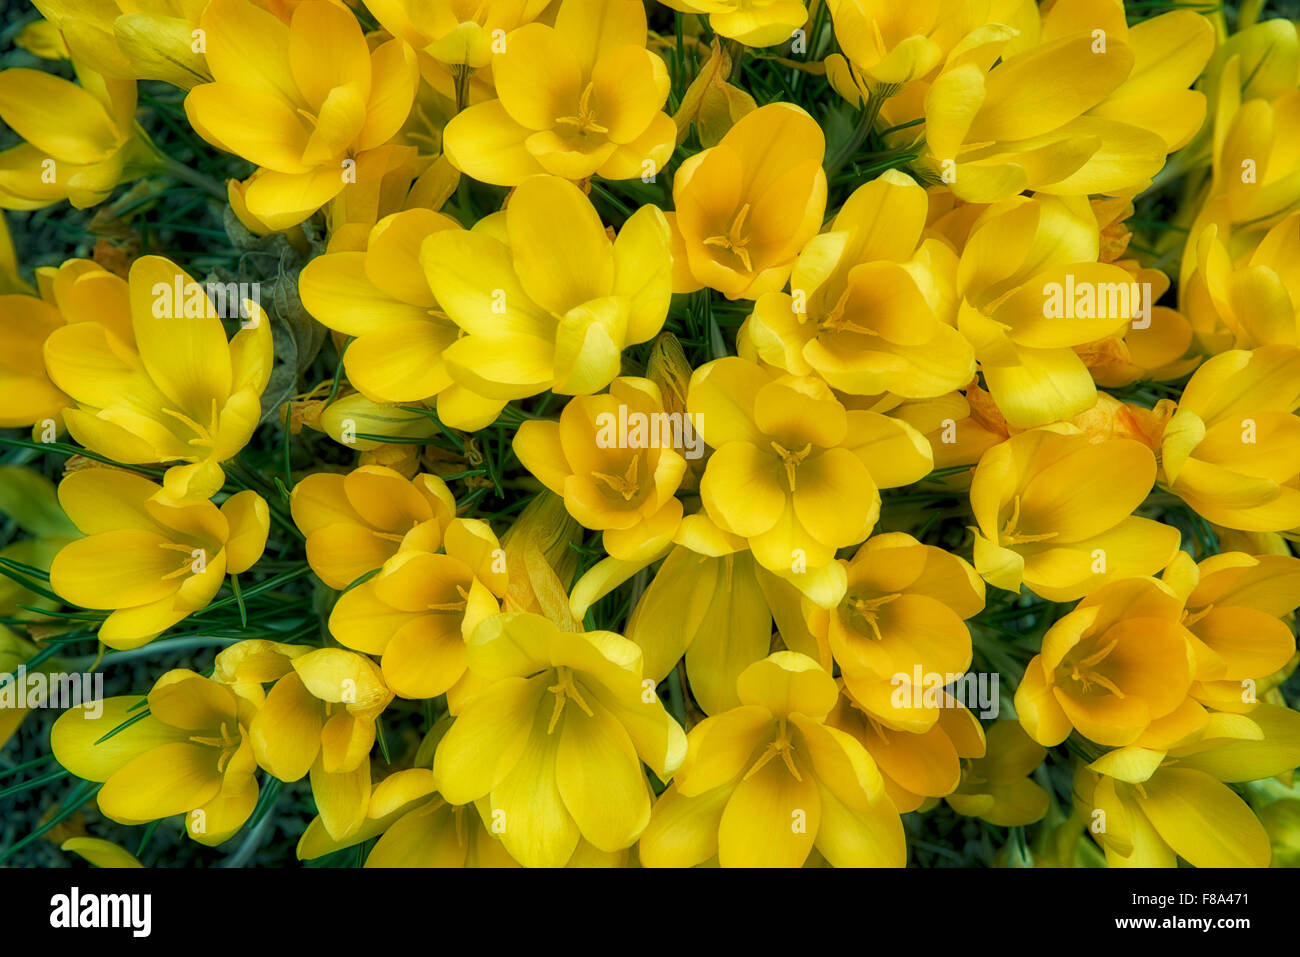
(668, 369)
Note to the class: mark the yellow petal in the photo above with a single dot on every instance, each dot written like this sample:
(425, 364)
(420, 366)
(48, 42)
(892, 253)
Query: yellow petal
(538, 830)
(770, 820)
(286, 731)
(341, 799)
(786, 683)
(599, 777)
(74, 735)
(100, 853)
(1203, 821)
(57, 117)
(488, 738)
(166, 780)
(683, 832)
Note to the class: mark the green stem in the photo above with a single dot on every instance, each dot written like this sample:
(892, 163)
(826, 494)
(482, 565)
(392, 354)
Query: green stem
(462, 86)
(866, 120)
(735, 51)
(178, 170)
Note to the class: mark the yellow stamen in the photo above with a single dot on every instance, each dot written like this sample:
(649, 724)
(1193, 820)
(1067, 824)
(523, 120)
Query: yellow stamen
(736, 239)
(187, 564)
(203, 436)
(585, 119)
(1009, 534)
(454, 606)
(625, 484)
(792, 460)
(836, 321)
(782, 746)
(1083, 671)
(866, 609)
(227, 741)
(563, 689)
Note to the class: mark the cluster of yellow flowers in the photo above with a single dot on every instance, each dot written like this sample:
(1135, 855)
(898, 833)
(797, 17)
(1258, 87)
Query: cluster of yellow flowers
(723, 275)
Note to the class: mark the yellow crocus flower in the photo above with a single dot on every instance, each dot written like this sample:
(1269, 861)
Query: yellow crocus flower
(556, 738)
(1147, 808)
(1246, 301)
(888, 45)
(902, 614)
(456, 32)
(1041, 525)
(1117, 669)
(711, 103)
(318, 719)
(356, 522)
(80, 289)
(583, 97)
(151, 558)
(415, 827)
(417, 613)
(1230, 450)
(378, 294)
(622, 485)
(959, 427)
(1254, 165)
(544, 298)
(133, 39)
(351, 416)
(793, 471)
(871, 307)
(80, 141)
(708, 601)
(1031, 289)
(1160, 346)
(916, 766)
(996, 786)
(300, 100)
(1234, 605)
(540, 561)
(766, 782)
(1093, 107)
(189, 754)
(755, 23)
(177, 391)
(746, 207)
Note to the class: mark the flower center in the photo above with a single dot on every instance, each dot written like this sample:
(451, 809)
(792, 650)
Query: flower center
(625, 484)
(452, 606)
(1083, 671)
(584, 121)
(837, 321)
(226, 741)
(1009, 534)
(792, 460)
(866, 609)
(736, 239)
(202, 435)
(187, 563)
(564, 689)
(780, 745)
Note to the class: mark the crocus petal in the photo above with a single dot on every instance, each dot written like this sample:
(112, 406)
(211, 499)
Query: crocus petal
(166, 780)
